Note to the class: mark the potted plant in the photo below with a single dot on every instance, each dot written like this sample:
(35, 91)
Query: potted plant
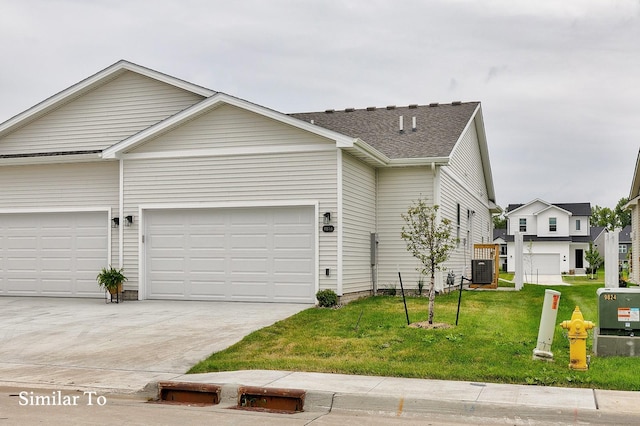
(111, 279)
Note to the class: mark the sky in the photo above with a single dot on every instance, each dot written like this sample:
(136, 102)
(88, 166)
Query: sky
(558, 80)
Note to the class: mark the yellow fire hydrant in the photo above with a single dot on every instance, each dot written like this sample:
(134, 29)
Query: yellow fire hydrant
(577, 327)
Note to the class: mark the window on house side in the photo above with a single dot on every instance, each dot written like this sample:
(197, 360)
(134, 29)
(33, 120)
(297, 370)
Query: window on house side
(577, 224)
(523, 225)
(622, 248)
(553, 227)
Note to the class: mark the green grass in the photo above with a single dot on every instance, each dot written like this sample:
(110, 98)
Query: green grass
(493, 341)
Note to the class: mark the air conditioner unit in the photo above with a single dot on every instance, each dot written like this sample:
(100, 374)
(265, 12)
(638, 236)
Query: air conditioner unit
(482, 271)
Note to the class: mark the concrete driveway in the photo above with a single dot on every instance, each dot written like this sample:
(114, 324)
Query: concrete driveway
(86, 343)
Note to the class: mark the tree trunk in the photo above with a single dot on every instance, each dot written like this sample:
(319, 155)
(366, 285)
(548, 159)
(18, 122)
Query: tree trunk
(432, 296)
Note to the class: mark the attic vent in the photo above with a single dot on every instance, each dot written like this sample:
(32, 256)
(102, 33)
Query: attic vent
(433, 104)
(456, 103)
(371, 108)
(391, 107)
(413, 106)
(349, 109)
(329, 111)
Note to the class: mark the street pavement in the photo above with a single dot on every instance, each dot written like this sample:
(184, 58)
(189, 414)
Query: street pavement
(89, 349)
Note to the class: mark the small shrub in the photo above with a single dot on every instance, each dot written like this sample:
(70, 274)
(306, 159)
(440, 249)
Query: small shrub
(327, 298)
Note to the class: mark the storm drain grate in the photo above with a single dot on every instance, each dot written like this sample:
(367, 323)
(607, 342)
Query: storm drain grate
(189, 393)
(271, 399)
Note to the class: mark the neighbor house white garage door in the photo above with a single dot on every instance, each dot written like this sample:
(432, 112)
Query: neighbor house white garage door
(52, 254)
(542, 263)
(264, 254)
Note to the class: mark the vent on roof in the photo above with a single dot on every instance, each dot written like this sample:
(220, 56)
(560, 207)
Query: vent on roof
(371, 108)
(413, 106)
(401, 124)
(391, 107)
(312, 122)
(433, 104)
(329, 111)
(456, 103)
(414, 125)
(349, 109)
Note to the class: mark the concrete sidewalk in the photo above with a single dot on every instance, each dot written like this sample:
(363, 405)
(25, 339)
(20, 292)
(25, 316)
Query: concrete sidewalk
(418, 396)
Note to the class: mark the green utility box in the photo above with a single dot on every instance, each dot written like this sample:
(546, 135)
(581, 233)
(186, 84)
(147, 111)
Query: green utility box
(618, 331)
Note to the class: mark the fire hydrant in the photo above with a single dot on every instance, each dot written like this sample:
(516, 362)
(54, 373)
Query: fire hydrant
(577, 327)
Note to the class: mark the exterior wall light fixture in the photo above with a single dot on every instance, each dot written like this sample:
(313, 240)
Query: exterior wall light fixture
(128, 220)
(115, 222)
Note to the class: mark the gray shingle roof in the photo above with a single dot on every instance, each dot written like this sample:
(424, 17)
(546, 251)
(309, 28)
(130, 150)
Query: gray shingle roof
(438, 127)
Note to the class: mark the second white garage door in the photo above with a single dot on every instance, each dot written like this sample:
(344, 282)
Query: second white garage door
(264, 254)
(542, 263)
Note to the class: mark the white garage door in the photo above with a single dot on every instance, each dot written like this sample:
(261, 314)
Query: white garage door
(261, 254)
(52, 254)
(542, 263)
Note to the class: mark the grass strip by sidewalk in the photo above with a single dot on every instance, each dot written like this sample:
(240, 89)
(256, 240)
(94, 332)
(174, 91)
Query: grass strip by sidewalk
(493, 342)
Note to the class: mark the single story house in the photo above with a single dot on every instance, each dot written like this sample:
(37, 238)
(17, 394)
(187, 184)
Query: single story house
(556, 236)
(200, 195)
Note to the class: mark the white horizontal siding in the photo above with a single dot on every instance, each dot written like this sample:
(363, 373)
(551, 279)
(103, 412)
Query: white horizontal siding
(463, 183)
(358, 222)
(100, 118)
(398, 188)
(55, 187)
(233, 180)
(228, 127)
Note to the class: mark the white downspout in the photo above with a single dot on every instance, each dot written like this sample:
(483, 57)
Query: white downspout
(340, 222)
(120, 215)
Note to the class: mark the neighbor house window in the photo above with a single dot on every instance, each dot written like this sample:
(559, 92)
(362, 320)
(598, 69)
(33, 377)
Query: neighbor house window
(523, 225)
(622, 248)
(577, 224)
(553, 227)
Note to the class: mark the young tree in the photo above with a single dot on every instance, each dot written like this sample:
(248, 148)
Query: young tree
(594, 259)
(429, 240)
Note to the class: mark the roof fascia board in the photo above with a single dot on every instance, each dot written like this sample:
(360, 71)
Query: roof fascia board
(423, 161)
(50, 159)
(210, 103)
(635, 182)
(94, 80)
(369, 151)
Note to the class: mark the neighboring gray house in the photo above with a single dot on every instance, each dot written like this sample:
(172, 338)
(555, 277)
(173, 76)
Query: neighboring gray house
(556, 236)
(200, 195)
(624, 243)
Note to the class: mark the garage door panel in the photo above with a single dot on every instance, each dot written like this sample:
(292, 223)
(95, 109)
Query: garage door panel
(52, 254)
(238, 254)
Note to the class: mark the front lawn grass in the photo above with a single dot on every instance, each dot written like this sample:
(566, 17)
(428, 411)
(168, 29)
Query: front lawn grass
(493, 341)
